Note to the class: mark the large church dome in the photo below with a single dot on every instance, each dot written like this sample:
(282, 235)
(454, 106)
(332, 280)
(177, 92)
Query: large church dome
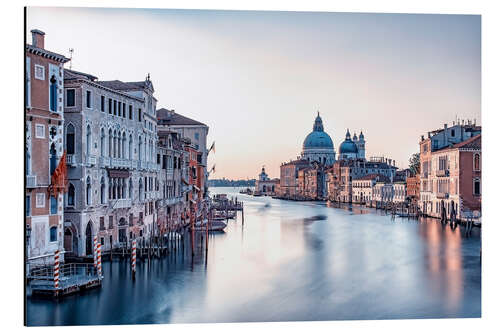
(318, 146)
(318, 138)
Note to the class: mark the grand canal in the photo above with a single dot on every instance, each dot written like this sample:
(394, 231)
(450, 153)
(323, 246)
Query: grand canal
(290, 261)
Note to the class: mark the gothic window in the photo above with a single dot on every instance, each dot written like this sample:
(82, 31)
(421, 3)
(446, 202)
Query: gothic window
(71, 195)
(103, 191)
(103, 142)
(89, 140)
(130, 147)
(114, 144)
(124, 146)
(53, 158)
(53, 93)
(88, 192)
(130, 189)
(141, 190)
(110, 144)
(70, 139)
(140, 149)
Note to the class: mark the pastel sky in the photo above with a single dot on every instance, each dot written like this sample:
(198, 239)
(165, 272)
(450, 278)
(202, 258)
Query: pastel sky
(258, 78)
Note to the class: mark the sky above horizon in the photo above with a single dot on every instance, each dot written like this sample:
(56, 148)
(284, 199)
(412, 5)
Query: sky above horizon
(258, 78)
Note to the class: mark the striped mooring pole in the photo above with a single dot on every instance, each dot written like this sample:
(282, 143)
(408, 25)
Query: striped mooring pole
(56, 269)
(99, 267)
(133, 257)
(95, 251)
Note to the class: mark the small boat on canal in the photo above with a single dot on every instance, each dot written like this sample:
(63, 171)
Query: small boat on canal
(214, 225)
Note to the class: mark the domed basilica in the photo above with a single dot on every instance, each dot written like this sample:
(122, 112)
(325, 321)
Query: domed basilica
(318, 146)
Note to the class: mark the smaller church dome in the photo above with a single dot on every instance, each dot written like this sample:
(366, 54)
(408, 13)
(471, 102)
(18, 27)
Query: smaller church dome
(348, 146)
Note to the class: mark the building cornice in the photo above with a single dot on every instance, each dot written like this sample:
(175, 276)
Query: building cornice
(46, 54)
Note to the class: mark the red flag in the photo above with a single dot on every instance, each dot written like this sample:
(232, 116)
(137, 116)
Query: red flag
(58, 180)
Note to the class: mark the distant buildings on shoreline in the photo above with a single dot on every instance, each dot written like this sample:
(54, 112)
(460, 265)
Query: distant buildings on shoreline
(447, 185)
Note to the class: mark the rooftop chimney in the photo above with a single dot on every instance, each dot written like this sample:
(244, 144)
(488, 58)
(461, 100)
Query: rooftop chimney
(38, 38)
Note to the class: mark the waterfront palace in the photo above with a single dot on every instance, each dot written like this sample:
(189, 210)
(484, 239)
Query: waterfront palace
(102, 160)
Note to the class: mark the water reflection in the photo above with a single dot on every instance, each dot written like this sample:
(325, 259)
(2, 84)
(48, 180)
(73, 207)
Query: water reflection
(290, 261)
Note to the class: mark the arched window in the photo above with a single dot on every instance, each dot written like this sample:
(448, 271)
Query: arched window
(103, 142)
(110, 144)
(124, 147)
(130, 189)
(141, 190)
(103, 191)
(110, 188)
(123, 185)
(89, 140)
(477, 162)
(70, 139)
(71, 195)
(114, 144)
(89, 192)
(53, 93)
(53, 158)
(53, 234)
(140, 149)
(119, 145)
(130, 153)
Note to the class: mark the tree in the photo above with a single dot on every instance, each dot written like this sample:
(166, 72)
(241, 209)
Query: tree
(415, 163)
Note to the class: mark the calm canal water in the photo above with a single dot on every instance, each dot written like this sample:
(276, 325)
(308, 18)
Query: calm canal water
(291, 261)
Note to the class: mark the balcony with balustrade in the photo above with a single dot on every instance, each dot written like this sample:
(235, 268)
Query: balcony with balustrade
(443, 173)
(71, 160)
(91, 160)
(442, 195)
(104, 161)
(120, 203)
(120, 163)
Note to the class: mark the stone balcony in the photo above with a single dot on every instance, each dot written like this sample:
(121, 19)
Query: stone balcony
(91, 160)
(104, 161)
(443, 173)
(120, 203)
(441, 195)
(120, 163)
(30, 181)
(71, 160)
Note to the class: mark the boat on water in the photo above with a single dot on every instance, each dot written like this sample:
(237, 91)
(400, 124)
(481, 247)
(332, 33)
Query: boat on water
(214, 225)
(246, 191)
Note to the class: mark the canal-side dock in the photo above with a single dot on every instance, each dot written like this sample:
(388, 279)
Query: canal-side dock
(73, 277)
